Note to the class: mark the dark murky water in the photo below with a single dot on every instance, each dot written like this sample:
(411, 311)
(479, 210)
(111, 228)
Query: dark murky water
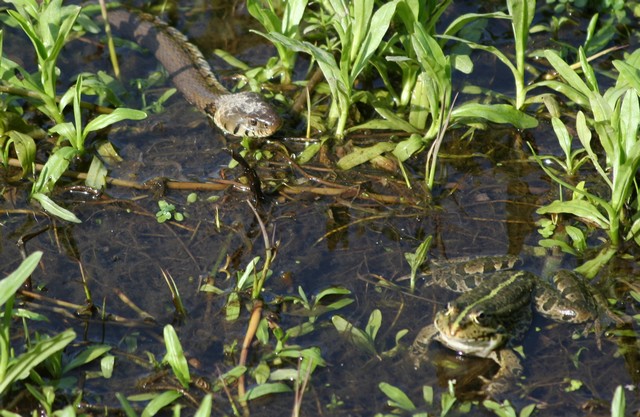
(484, 204)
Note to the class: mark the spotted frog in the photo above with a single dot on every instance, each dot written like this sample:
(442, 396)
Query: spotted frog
(495, 311)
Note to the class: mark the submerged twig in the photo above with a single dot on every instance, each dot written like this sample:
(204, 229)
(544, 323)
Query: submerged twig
(214, 185)
(300, 388)
(330, 189)
(256, 312)
(252, 328)
(143, 314)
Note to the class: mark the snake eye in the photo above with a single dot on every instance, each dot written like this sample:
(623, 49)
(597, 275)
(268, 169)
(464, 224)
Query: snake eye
(253, 122)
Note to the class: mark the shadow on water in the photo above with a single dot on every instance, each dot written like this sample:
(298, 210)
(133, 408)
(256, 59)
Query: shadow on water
(484, 205)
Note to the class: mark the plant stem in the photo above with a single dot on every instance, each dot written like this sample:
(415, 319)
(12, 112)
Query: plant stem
(256, 315)
(269, 255)
(4, 338)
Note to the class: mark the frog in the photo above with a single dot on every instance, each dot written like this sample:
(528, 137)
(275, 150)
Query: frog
(495, 311)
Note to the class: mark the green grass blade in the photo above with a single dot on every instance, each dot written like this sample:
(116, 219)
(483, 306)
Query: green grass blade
(358, 337)
(374, 324)
(584, 134)
(246, 279)
(53, 170)
(325, 60)
(55, 22)
(87, 355)
(579, 208)
(459, 23)
(496, 113)
(423, 90)
(405, 149)
(571, 93)
(159, 402)
(25, 148)
(591, 268)
(564, 139)
(392, 121)
(629, 123)
(97, 174)
(267, 17)
(602, 112)
(397, 398)
(589, 73)
(11, 284)
(175, 356)
(28, 29)
(359, 18)
(618, 403)
(53, 208)
(629, 73)
(294, 11)
(77, 141)
(126, 405)
(119, 114)
(521, 12)
(626, 159)
(20, 367)
(205, 407)
(361, 155)
(66, 130)
(491, 49)
(266, 389)
(377, 29)
(567, 73)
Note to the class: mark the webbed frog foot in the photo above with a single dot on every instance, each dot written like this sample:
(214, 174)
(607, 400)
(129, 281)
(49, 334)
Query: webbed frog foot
(419, 350)
(509, 372)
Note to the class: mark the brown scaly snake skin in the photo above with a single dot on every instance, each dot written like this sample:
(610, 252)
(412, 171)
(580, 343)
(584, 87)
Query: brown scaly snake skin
(240, 114)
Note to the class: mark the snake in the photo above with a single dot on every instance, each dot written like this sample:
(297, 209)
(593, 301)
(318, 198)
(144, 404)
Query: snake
(238, 114)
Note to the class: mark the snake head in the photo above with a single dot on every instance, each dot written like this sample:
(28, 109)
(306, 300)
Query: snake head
(246, 114)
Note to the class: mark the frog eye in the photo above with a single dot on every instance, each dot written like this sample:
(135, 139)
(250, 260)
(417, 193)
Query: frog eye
(479, 316)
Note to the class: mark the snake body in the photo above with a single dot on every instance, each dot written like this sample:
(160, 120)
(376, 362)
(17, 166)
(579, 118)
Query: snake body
(240, 114)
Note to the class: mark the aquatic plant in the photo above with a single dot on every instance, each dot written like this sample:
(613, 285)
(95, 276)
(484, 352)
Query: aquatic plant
(413, 67)
(357, 46)
(16, 367)
(365, 340)
(286, 22)
(400, 403)
(359, 32)
(49, 26)
(615, 118)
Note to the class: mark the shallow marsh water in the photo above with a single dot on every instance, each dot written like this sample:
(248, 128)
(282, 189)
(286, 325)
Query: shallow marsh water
(484, 204)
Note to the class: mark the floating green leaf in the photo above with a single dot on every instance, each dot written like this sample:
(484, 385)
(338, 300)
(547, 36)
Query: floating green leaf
(397, 398)
(361, 155)
(10, 284)
(175, 356)
(266, 389)
(496, 113)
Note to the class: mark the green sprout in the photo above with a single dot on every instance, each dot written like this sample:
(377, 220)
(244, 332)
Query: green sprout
(167, 212)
